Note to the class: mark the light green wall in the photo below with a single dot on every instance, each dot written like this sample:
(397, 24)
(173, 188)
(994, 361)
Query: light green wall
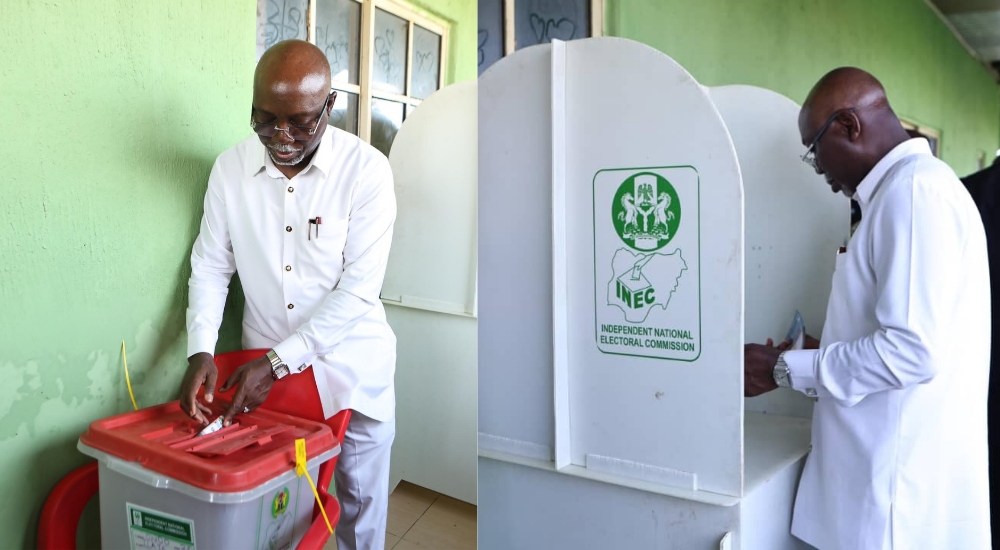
(787, 45)
(461, 16)
(113, 113)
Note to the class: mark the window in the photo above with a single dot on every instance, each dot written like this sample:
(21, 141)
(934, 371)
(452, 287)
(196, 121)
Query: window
(509, 25)
(385, 57)
(932, 136)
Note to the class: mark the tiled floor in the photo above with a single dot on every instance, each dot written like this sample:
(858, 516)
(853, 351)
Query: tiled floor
(422, 519)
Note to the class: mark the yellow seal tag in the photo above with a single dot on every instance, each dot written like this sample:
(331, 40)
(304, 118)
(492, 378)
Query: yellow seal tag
(300, 457)
(300, 469)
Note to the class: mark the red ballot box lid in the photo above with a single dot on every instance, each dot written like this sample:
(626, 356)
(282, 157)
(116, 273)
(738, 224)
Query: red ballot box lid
(255, 448)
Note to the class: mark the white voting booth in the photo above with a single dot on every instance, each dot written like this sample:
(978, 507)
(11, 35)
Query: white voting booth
(430, 292)
(623, 259)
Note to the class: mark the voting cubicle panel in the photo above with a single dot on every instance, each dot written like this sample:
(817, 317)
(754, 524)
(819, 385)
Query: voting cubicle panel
(431, 273)
(432, 264)
(636, 191)
(515, 257)
(793, 225)
(654, 271)
(599, 192)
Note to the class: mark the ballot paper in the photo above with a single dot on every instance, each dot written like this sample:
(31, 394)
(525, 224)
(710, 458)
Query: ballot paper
(797, 332)
(213, 427)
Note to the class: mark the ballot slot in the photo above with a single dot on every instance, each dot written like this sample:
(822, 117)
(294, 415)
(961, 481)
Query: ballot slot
(256, 445)
(228, 489)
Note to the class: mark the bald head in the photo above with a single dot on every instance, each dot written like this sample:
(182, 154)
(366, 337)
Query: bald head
(848, 121)
(291, 90)
(845, 88)
(293, 66)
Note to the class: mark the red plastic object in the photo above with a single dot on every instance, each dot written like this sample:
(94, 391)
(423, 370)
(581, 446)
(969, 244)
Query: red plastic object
(255, 448)
(317, 535)
(294, 395)
(62, 510)
(297, 395)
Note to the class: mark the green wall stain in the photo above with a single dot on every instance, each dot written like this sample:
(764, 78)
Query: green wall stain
(115, 112)
(787, 45)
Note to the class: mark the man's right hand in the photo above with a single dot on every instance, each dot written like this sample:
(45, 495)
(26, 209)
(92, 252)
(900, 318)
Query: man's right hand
(201, 371)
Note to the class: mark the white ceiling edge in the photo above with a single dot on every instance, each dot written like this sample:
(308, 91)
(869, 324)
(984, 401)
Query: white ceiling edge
(961, 39)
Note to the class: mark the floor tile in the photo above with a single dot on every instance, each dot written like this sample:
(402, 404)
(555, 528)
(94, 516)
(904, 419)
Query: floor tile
(448, 524)
(406, 504)
(425, 520)
(390, 542)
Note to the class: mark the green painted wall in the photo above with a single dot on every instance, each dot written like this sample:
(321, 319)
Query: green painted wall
(113, 115)
(787, 45)
(461, 16)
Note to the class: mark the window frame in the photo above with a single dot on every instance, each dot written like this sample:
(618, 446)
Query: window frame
(912, 125)
(510, 43)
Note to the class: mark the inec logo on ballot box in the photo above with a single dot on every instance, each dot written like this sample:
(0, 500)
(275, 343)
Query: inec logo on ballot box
(645, 253)
(280, 503)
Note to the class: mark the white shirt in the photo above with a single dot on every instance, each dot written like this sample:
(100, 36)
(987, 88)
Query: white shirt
(313, 298)
(899, 456)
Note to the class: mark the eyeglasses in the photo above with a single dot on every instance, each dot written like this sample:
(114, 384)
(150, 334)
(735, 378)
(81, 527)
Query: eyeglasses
(295, 131)
(810, 155)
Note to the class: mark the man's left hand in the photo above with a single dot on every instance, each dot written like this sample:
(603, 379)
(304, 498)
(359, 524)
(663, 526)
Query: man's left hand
(758, 369)
(253, 381)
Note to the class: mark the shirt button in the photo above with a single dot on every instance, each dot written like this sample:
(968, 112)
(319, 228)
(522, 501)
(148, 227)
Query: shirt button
(288, 228)
(288, 268)
(291, 306)
(290, 189)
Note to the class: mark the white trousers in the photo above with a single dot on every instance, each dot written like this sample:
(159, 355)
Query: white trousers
(362, 483)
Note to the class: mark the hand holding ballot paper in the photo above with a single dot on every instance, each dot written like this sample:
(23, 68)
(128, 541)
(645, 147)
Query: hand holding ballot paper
(796, 333)
(796, 338)
(759, 360)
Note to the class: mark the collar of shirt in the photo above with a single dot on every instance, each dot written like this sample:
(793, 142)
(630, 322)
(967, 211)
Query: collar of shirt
(322, 159)
(869, 186)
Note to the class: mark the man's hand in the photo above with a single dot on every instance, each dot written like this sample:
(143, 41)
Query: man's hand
(201, 371)
(253, 381)
(758, 368)
(810, 343)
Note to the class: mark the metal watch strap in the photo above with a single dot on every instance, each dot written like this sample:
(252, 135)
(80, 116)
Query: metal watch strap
(279, 369)
(780, 372)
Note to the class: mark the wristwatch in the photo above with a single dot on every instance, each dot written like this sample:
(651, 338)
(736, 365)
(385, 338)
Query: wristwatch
(279, 369)
(780, 372)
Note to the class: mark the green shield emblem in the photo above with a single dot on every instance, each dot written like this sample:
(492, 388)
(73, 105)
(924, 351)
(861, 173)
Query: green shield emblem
(646, 211)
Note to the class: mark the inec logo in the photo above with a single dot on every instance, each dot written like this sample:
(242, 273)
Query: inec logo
(646, 211)
(280, 503)
(647, 262)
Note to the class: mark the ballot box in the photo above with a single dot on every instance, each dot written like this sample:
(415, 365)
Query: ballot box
(637, 228)
(164, 487)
